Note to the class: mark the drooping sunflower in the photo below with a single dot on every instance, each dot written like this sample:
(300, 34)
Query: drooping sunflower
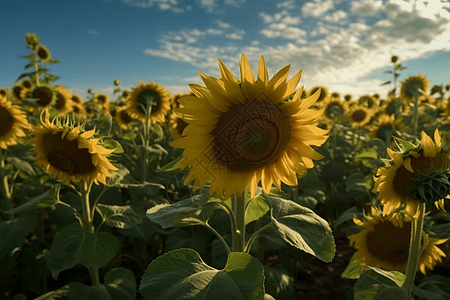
(123, 118)
(411, 85)
(152, 95)
(394, 182)
(69, 154)
(45, 95)
(368, 101)
(102, 103)
(359, 115)
(322, 97)
(386, 126)
(13, 121)
(63, 104)
(43, 53)
(384, 243)
(242, 133)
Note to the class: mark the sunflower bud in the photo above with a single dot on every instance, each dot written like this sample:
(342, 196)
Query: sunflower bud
(430, 187)
(116, 82)
(31, 40)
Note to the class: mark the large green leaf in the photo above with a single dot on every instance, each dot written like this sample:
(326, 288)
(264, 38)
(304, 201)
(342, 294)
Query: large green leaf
(21, 165)
(74, 245)
(256, 209)
(47, 199)
(120, 284)
(13, 233)
(279, 283)
(377, 284)
(353, 270)
(302, 228)
(168, 215)
(123, 217)
(56, 294)
(182, 274)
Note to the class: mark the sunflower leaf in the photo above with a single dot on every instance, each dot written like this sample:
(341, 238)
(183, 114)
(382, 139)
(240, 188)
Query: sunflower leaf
(278, 282)
(47, 199)
(353, 270)
(21, 165)
(129, 136)
(102, 125)
(377, 284)
(123, 217)
(182, 272)
(13, 233)
(56, 294)
(113, 144)
(173, 165)
(302, 228)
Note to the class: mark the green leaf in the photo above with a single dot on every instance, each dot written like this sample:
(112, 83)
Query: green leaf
(21, 165)
(52, 61)
(102, 125)
(120, 284)
(372, 153)
(98, 249)
(200, 218)
(268, 297)
(279, 283)
(346, 216)
(118, 176)
(256, 209)
(302, 228)
(47, 199)
(353, 270)
(13, 234)
(129, 182)
(19, 297)
(182, 274)
(168, 215)
(74, 245)
(25, 75)
(123, 217)
(129, 136)
(56, 294)
(113, 144)
(386, 83)
(173, 165)
(79, 291)
(378, 284)
(157, 130)
(117, 90)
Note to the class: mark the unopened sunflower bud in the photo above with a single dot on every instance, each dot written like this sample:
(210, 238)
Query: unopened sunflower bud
(430, 187)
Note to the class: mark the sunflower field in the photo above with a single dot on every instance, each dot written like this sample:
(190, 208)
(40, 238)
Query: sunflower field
(246, 188)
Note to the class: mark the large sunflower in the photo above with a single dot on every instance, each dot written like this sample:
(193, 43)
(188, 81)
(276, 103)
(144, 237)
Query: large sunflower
(152, 95)
(243, 133)
(68, 154)
(63, 104)
(384, 243)
(12, 123)
(394, 182)
(411, 85)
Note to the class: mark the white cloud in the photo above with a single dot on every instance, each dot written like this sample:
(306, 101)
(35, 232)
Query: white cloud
(290, 4)
(317, 8)
(172, 5)
(237, 35)
(282, 30)
(367, 7)
(336, 16)
(222, 24)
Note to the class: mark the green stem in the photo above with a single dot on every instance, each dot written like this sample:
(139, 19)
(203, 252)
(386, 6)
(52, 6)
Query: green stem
(146, 141)
(36, 69)
(254, 236)
(224, 243)
(238, 207)
(7, 203)
(414, 250)
(87, 220)
(415, 115)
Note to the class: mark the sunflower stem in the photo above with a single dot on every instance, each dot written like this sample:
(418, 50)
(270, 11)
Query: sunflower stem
(146, 141)
(7, 203)
(415, 115)
(414, 250)
(36, 69)
(238, 207)
(221, 239)
(85, 188)
(255, 235)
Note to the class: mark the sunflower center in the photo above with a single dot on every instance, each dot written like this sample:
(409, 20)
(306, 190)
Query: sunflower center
(101, 99)
(44, 95)
(412, 88)
(2, 93)
(390, 244)
(251, 135)
(60, 101)
(43, 53)
(66, 155)
(125, 117)
(6, 121)
(359, 116)
(148, 98)
(17, 90)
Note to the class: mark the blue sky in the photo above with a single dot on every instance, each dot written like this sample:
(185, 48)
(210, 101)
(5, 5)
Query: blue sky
(344, 45)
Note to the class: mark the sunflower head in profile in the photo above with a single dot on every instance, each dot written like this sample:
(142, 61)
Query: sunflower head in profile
(78, 111)
(323, 96)
(43, 53)
(396, 182)
(411, 86)
(151, 96)
(359, 115)
(45, 95)
(387, 126)
(68, 153)
(384, 242)
(63, 103)
(123, 118)
(239, 134)
(13, 122)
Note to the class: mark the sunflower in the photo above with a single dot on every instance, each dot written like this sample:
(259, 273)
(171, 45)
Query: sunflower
(394, 107)
(348, 97)
(102, 103)
(394, 182)
(31, 40)
(77, 99)
(27, 84)
(68, 154)
(411, 85)
(368, 101)
(19, 92)
(243, 133)
(4, 93)
(384, 243)
(335, 108)
(45, 95)
(116, 82)
(322, 97)
(12, 123)
(123, 118)
(63, 102)
(78, 110)
(359, 115)
(176, 126)
(174, 100)
(152, 95)
(43, 53)
(387, 127)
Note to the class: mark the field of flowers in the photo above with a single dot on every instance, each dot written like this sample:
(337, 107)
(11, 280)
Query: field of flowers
(244, 188)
